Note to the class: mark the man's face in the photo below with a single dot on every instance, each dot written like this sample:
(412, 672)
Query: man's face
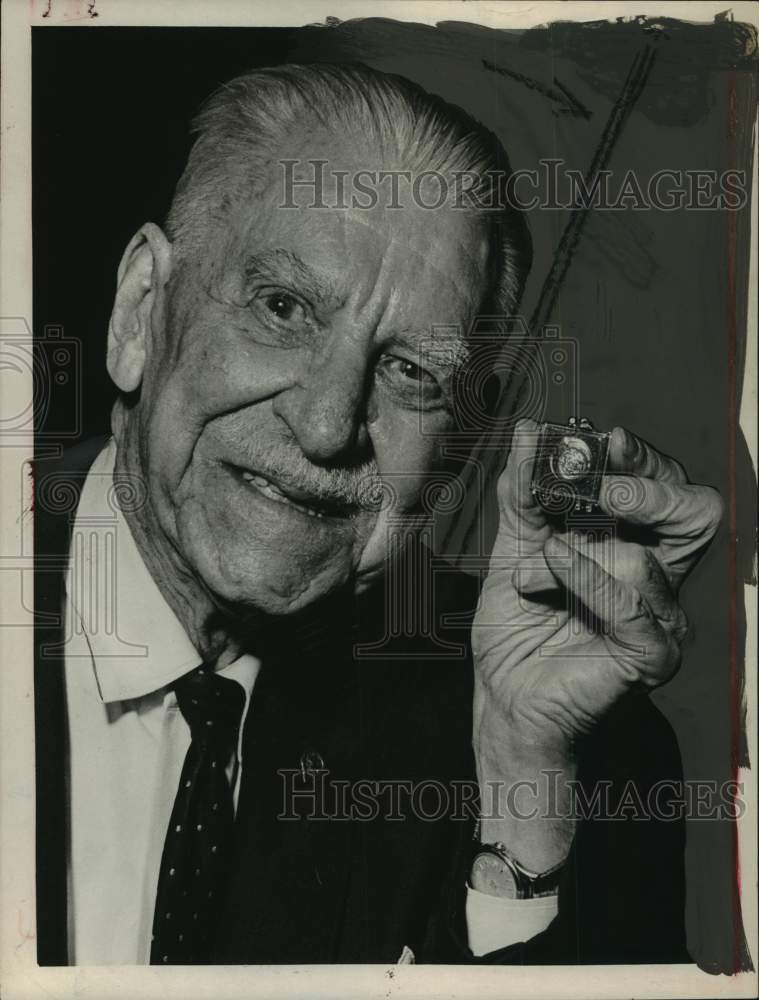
(289, 372)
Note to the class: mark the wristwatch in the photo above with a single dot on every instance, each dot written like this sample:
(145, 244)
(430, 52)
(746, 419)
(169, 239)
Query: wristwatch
(496, 872)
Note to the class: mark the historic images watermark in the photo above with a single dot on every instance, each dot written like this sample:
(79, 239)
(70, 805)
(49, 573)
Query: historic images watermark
(309, 793)
(551, 186)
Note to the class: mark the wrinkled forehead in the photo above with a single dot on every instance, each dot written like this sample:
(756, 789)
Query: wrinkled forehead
(324, 185)
(354, 243)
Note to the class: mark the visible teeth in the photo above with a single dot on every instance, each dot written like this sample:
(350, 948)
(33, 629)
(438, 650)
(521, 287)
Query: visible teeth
(270, 490)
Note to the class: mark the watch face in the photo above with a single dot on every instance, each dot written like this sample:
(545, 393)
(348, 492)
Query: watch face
(492, 876)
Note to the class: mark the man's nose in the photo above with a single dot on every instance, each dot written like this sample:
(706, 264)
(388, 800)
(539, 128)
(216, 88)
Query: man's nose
(326, 410)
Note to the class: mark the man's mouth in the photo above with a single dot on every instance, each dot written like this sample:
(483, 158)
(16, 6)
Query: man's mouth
(292, 496)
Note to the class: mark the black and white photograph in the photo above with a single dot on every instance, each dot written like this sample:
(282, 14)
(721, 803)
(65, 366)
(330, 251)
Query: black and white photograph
(379, 499)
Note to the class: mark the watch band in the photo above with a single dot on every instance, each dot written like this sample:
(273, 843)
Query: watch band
(491, 862)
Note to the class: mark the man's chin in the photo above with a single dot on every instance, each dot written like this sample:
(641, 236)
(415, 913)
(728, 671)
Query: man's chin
(270, 589)
(251, 553)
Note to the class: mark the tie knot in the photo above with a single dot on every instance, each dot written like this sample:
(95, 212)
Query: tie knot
(211, 705)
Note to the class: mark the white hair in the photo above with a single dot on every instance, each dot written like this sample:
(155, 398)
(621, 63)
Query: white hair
(240, 128)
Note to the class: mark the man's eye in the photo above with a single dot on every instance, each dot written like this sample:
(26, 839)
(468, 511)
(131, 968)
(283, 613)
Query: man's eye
(411, 381)
(409, 370)
(283, 306)
(286, 317)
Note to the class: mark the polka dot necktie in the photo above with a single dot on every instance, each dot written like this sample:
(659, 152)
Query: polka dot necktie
(195, 852)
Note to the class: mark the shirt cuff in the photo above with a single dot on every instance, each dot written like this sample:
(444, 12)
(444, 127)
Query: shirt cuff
(496, 922)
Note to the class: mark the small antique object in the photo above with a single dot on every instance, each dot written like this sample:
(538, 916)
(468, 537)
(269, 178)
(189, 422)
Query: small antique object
(570, 462)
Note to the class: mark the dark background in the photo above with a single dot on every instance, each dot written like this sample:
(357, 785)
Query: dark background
(655, 310)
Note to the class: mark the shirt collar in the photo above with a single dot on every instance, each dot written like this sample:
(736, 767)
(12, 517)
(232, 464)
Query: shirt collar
(137, 643)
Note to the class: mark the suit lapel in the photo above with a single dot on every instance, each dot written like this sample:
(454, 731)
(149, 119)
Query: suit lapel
(291, 862)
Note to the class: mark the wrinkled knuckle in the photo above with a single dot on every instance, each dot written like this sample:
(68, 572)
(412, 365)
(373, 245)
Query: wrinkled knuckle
(714, 509)
(677, 503)
(677, 625)
(635, 604)
(671, 471)
(647, 564)
(682, 626)
(601, 587)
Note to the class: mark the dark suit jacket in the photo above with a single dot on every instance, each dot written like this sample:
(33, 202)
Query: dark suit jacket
(318, 890)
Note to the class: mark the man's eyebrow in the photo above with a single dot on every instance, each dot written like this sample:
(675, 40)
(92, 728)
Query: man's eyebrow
(450, 353)
(288, 267)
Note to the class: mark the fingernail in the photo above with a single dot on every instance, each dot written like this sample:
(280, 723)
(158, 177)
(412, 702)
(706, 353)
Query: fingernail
(622, 437)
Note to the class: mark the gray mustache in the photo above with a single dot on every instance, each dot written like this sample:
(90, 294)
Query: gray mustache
(359, 486)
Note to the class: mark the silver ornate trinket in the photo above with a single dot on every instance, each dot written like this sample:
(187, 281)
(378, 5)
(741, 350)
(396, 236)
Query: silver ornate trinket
(570, 462)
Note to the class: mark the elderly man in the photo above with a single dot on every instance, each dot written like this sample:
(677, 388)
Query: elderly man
(277, 384)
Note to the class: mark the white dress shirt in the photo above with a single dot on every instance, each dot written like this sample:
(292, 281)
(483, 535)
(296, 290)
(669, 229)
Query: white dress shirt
(128, 741)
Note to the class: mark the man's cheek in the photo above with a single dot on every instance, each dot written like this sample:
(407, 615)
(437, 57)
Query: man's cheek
(406, 440)
(411, 481)
(224, 366)
(171, 444)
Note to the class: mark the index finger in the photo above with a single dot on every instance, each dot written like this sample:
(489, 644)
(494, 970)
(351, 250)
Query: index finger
(684, 517)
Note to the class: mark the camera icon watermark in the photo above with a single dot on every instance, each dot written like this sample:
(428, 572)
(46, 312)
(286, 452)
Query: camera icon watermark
(41, 375)
(501, 373)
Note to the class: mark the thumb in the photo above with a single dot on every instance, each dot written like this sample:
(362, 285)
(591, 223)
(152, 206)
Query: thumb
(518, 507)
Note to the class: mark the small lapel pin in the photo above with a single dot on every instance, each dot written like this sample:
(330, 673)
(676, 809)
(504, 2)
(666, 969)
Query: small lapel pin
(310, 761)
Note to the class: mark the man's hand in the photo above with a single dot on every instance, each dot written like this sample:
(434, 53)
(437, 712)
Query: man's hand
(568, 624)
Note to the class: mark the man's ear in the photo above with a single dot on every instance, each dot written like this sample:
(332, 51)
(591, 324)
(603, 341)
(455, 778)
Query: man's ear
(142, 276)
